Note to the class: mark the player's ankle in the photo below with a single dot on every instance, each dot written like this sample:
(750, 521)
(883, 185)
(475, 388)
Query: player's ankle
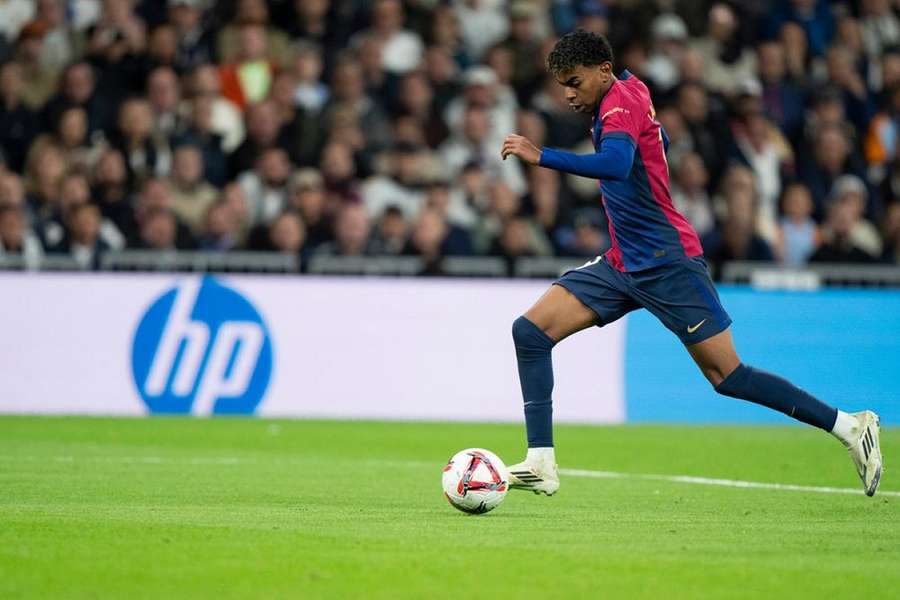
(542, 456)
(846, 427)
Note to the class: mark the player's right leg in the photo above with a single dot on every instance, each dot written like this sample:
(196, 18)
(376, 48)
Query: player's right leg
(582, 298)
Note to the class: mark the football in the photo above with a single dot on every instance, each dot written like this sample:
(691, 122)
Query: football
(475, 481)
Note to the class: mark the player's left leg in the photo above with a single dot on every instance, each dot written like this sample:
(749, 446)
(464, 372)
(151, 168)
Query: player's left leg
(859, 432)
(682, 295)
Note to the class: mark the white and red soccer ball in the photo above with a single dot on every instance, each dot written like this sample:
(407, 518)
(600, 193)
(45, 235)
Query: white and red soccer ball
(475, 481)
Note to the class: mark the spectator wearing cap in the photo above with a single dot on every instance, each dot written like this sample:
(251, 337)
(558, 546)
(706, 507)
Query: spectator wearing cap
(726, 61)
(851, 190)
(17, 121)
(670, 36)
(17, 239)
(798, 234)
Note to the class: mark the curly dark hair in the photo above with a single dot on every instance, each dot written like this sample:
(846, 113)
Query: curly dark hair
(577, 48)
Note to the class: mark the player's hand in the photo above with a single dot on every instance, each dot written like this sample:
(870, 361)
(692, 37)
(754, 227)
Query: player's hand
(517, 145)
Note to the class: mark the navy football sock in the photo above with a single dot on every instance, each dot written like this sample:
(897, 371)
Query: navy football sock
(774, 392)
(533, 348)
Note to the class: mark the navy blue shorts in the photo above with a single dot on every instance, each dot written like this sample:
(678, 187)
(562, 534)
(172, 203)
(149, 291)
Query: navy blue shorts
(681, 294)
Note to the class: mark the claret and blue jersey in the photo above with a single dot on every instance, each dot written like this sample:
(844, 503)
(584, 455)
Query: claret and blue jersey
(655, 261)
(645, 228)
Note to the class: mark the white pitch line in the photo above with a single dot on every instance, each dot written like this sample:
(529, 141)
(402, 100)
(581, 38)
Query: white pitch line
(735, 483)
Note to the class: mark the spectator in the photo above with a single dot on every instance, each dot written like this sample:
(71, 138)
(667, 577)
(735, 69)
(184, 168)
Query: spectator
(17, 124)
(17, 239)
(891, 234)
(689, 193)
(669, 35)
(839, 245)
(427, 240)
(83, 241)
(60, 43)
(401, 49)
(391, 234)
(401, 184)
(737, 239)
(133, 138)
(221, 231)
(726, 62)
(39, 80)
(268, 44)
(287, 233)
(482, 24)
(195, 45)
(225, 118)
(156, 226)
(352, 230)
(474, 143)
(306, 196)
(798, 234)
(831, 159)
(247, 76)
(782, 97)
(265, 187)
(191, 195)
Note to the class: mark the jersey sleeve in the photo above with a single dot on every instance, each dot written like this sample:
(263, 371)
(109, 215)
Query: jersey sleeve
(619, 118)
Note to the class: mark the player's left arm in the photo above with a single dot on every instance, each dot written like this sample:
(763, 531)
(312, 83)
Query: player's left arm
(613, 161)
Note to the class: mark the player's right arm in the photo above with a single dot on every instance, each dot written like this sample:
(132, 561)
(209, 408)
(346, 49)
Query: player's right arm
(612, 161)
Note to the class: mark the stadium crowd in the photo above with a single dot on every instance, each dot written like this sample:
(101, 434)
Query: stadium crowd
(344, 127)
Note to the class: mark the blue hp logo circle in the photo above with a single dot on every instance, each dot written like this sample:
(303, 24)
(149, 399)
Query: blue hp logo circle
(202, 348)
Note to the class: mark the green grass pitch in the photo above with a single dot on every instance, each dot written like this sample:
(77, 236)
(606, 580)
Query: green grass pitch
(170, 508)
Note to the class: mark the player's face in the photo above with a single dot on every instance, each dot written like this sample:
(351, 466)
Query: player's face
(585, 86)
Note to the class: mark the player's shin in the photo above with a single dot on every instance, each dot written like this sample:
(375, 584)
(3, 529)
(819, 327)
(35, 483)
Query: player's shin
(533, 353)
(756, 385)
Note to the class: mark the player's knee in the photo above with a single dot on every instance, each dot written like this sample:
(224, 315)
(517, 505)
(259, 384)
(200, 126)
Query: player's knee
(527, 334)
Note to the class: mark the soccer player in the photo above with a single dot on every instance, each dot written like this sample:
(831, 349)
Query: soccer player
(655, 262)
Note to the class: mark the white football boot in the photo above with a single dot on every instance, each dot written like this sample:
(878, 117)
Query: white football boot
(865, 449)
(537, 473)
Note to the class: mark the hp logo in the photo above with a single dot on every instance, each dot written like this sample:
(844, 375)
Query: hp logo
(201, 348)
